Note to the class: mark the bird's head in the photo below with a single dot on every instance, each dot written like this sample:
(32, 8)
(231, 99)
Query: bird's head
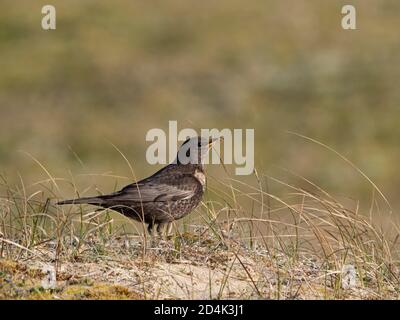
(194, 150)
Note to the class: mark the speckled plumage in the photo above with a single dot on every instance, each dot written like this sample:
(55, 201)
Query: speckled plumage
(169, 194)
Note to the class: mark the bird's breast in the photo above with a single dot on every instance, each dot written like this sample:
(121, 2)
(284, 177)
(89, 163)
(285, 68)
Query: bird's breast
(201, 177)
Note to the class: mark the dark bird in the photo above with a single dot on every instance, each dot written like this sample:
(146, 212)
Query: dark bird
(169, 194)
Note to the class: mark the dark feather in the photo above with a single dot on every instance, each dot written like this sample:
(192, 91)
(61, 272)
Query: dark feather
(169, 194)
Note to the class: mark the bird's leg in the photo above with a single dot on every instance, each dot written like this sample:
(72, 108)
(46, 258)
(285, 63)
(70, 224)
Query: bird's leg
(169, 228)
(164, 229)
(150, 228)
(161, 229)
(153, 228)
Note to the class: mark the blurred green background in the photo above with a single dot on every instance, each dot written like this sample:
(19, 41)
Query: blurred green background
(112, 70)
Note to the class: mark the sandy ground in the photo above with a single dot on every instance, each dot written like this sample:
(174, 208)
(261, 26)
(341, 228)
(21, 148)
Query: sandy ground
(197, 270)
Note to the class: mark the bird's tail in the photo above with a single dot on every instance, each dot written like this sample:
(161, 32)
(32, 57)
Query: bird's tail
(89, 200)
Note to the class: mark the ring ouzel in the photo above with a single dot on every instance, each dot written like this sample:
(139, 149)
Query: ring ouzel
(169, 194)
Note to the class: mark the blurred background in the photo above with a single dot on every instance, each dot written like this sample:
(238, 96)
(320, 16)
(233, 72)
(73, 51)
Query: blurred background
(112, 70)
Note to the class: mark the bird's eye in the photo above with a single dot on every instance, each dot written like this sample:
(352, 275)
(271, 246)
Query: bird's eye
(188, 153)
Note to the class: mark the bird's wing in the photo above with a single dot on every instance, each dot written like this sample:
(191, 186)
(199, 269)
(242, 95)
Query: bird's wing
(153, 191)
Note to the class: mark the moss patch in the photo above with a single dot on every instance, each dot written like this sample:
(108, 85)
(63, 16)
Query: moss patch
(19, 282)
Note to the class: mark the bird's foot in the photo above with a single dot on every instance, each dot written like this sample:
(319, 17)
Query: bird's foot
(160, 234)
(164, 231)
